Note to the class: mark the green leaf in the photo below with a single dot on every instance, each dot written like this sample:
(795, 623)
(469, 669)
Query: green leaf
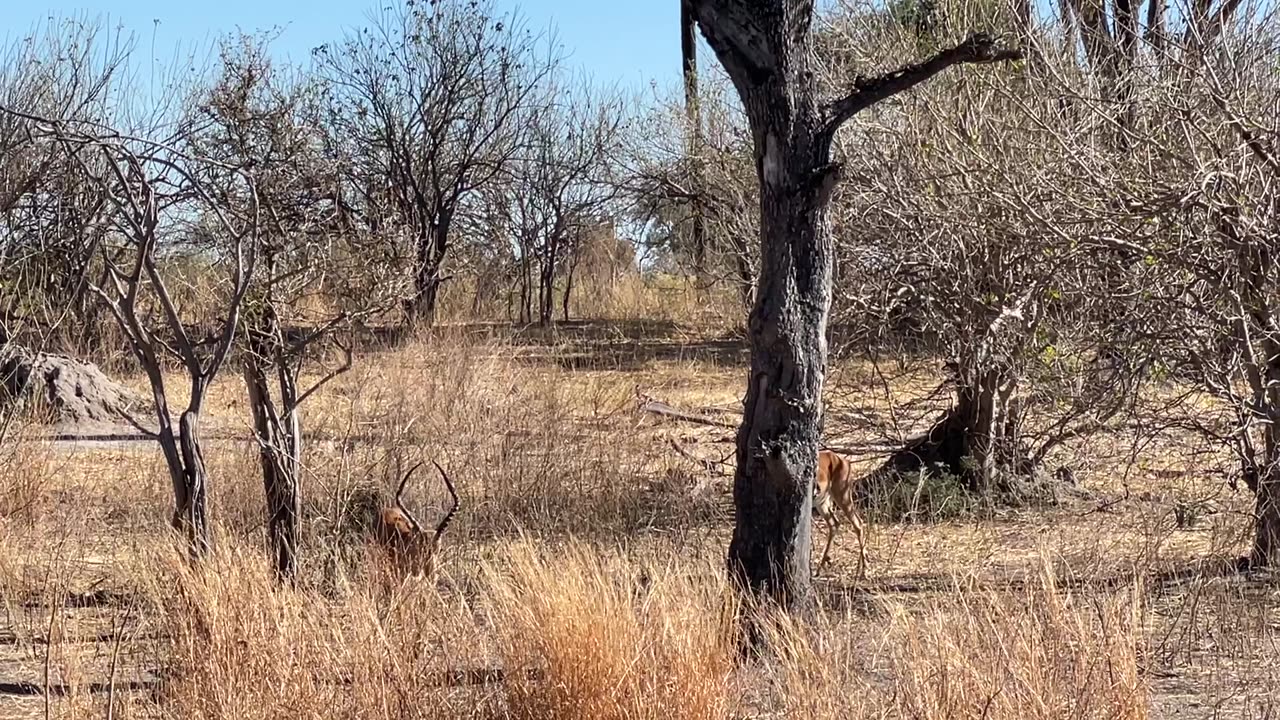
(1049, 355)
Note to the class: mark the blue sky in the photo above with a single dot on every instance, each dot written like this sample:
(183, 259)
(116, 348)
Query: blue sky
(630, 41)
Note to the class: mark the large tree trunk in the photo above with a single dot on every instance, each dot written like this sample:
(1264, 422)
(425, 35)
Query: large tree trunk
(777, 442)
(546, 289)
(978, 440)
(1266, 538)
(421, 307)
(526, 287)
(568, 292)
(985, 427)
(693, 145)
(746, 276)
(192, 516)
(1255, 265)
(183, 457)
(767, 49)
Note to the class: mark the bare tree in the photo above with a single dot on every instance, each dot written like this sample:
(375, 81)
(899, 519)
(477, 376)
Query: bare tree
(673, 186)
(267, 118)
(693, 130)
(562, 187)
(430, 99)
(1205, 211)
(64, 71)
(766, 46)
(154, 188)
(1161, 242)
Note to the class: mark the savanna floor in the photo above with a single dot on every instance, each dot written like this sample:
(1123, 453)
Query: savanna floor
(582, 577)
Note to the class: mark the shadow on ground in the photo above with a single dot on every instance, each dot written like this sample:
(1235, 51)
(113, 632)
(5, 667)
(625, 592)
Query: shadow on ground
(840, 594)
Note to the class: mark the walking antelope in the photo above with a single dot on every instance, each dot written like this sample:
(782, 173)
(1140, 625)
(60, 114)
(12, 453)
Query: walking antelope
(834, 490)
(412, 550)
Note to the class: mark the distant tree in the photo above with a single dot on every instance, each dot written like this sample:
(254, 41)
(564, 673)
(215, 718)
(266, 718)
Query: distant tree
(47, 204)
(674, 186)
(152, 191)
(562, 182)
(430, 102)
(1201, 210)
(693, 131)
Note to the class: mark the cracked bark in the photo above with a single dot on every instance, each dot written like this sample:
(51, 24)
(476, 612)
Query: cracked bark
(766, 47)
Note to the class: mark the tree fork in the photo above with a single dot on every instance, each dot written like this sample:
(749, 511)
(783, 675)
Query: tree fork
(766, 47)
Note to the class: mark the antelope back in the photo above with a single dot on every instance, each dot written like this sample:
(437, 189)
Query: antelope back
(832, 479)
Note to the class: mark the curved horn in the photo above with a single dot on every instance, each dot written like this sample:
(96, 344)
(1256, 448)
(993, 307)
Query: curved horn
(448, 517)
(417, 527)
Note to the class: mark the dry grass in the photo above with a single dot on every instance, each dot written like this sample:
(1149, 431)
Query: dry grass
(25, 486)
(1031, 652)
(613, 640)
(587, 564)
(627, 295)
(1042, 654)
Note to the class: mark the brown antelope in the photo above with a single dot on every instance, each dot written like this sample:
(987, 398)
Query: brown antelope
(411, 549)
(835, 487)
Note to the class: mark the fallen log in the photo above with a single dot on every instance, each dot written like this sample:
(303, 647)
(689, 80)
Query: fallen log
(658, 407)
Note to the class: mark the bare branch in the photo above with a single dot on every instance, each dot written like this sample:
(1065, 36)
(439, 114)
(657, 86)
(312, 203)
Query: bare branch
(978, 48)
(344, 367)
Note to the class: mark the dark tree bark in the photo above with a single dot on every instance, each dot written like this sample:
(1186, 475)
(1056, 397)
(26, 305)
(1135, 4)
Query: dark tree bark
(433, 244)
(693, 120)
(526, 282)
(546, 287)
(278, 432)
(766, 46)
(1266, 538)
(1099, 43)
(1266, 541)
(977, 440)
(278, 454)
(1255, 265)
(193, 498)
(570, 271)
(1156, 32)
(1025, 24)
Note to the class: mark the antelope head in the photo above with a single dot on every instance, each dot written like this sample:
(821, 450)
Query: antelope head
(410, 547)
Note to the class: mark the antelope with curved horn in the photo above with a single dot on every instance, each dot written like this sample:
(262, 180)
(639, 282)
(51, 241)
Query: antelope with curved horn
(412, 549)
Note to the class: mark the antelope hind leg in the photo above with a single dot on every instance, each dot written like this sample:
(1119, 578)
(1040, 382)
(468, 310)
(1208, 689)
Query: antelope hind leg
(862, 545)
(832, 526)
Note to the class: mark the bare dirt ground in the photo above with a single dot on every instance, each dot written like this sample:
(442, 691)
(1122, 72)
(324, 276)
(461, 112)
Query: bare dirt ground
(547, 444)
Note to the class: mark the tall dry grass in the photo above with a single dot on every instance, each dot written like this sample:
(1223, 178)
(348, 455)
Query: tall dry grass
(612, 641)
(529, 444)
(27, 480)
(1033, 652)
(628, 620)
(575, 634)
(626, 295)
(577, 631)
